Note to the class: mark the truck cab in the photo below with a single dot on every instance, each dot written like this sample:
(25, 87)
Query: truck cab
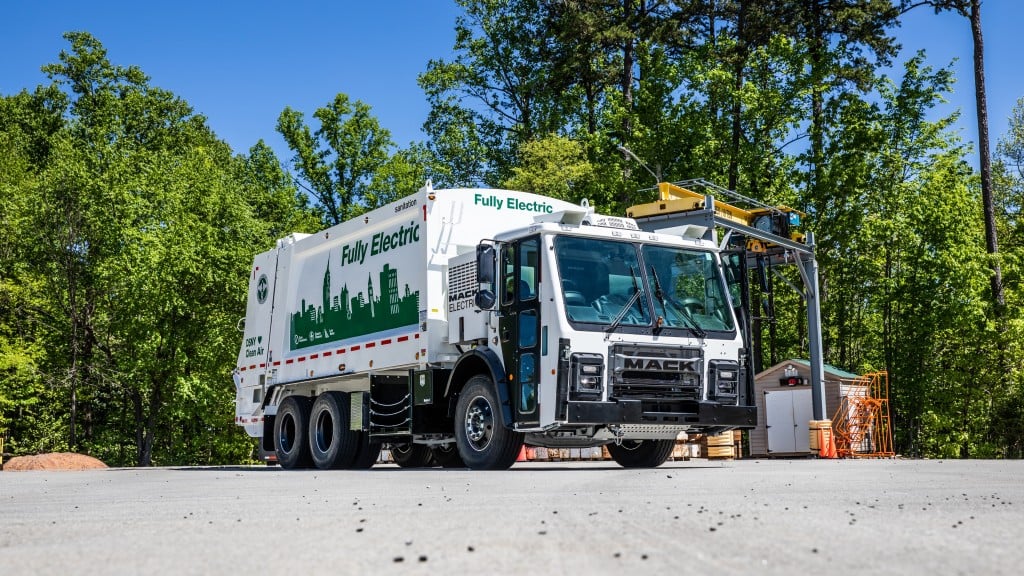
(610, 335)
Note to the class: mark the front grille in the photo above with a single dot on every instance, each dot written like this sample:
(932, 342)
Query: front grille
(655, 372)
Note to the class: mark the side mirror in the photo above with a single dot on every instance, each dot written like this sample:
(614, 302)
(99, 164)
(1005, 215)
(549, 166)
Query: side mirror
(486, 256)
(486, 260)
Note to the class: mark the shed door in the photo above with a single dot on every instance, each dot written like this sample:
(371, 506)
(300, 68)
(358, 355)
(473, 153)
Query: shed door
(787, 413)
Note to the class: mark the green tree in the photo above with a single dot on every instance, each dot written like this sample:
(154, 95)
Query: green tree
(971, 9)
(1007, 425)
(273, 195)
(339, 159)
(132, 231)
(554, 166)
(402, 174)
(902, 247)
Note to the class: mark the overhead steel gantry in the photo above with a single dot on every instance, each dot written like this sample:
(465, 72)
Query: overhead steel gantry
(761, 231)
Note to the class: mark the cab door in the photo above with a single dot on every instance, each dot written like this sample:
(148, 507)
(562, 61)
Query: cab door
(520, 326)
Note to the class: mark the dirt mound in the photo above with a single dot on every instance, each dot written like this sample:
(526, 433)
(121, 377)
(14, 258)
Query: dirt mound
(56, 461)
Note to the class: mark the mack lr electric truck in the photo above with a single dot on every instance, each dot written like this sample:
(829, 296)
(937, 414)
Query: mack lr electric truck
(453, 326)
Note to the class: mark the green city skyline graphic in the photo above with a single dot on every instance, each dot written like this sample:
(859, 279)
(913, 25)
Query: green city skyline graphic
(345, 315)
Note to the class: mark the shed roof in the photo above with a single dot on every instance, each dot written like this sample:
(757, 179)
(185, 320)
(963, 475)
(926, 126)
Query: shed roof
(830, 370)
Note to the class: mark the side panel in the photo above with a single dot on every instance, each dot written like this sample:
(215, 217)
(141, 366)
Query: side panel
(250, 374)
(349, 298)
(370, 295)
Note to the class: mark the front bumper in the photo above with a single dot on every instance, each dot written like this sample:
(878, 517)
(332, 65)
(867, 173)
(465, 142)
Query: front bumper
(694, 414)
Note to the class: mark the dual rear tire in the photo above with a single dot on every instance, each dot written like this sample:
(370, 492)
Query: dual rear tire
(308, 433)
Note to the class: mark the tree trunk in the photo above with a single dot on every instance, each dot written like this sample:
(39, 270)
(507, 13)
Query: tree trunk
(628, 60)
(737, 109)
(146, 411)
(991, 243)
(156, 399)
(817, 45)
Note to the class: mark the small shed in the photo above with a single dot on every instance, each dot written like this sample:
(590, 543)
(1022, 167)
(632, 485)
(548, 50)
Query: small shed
(782, 394)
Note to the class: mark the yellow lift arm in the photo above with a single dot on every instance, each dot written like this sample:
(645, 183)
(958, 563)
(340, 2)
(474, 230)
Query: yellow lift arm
(674, 198)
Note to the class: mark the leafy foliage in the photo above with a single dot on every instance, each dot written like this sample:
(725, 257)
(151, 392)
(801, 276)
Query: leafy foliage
(132, 228)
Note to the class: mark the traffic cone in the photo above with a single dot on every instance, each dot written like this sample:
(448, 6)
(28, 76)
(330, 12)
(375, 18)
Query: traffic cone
(832, 446)
(822, 448)
(522, 454)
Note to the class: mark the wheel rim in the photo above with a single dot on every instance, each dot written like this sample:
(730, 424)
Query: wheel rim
(287, 436)
(324, 431)
(479, 423)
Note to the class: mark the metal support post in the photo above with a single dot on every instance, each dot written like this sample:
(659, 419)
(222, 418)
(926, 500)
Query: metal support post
(809, 274)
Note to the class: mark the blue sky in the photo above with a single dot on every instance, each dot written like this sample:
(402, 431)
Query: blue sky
(241, 63)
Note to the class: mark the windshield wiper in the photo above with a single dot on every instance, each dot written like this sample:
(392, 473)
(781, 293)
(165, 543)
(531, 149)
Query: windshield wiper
(632, 300)
(658, 293)
(684, 313)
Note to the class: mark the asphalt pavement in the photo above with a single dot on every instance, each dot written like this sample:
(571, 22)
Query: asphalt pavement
(694, 517)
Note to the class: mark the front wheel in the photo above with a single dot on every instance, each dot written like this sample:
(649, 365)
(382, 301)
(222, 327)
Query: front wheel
(641, 453)
(480, 433)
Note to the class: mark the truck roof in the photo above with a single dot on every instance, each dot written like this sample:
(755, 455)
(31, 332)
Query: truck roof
(593, 230)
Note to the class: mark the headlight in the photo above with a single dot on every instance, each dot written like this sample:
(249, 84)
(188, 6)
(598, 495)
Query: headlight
(587, 382)
(725, 380)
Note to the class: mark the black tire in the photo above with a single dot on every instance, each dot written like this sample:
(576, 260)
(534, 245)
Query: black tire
(447, 456)
(480, 433)
(331, 444)
(368, 453)
(641, 453)
(290, 433)
(411, 455)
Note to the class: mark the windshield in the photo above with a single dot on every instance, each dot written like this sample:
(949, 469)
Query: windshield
(600, 281)
(692, 288)
(610, 284)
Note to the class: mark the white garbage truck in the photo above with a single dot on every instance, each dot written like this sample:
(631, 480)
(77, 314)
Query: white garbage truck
(455, 326)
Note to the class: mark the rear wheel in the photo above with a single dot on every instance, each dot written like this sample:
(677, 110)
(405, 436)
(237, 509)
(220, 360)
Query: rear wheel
(410, 455)
(641, 453)
(480, 433)
(331, 443)
(290, 433)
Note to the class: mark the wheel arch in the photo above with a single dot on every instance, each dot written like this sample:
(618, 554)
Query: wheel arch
(475, 362)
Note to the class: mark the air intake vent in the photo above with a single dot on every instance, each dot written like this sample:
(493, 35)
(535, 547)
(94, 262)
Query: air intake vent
(462, 280)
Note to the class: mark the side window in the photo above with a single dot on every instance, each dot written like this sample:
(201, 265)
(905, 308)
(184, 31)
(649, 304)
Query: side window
(508, 260)
(527, 328)
(528, 266)
(733, 276)
(528, 382)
